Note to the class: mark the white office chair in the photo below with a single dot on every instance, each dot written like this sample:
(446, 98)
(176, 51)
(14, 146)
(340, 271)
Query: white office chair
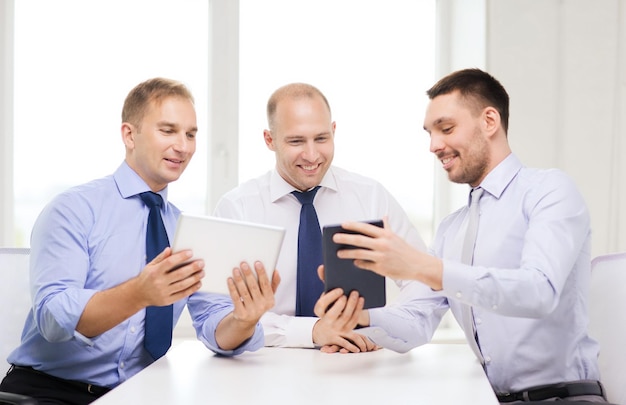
(15, 302)
(607, 321)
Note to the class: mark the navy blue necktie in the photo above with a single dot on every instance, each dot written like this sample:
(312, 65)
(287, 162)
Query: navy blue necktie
(159, 320)
(309, 286)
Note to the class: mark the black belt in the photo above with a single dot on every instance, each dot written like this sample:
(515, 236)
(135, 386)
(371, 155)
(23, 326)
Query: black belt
(562, 390)
(90, 388)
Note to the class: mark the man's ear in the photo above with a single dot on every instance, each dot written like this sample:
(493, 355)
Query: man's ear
(269, 141)
(128, 135)
(491, 120)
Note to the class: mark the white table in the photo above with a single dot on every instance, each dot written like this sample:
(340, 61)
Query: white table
(191, 374)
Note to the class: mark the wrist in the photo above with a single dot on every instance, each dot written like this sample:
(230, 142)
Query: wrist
(314, 338)
(364, 319)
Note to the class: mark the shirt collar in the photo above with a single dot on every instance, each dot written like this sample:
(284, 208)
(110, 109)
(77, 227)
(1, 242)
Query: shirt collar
(501, 176)
(129, 183)
(280, 188)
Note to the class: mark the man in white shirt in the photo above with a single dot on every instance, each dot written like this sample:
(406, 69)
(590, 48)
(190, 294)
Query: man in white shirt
(301, 134)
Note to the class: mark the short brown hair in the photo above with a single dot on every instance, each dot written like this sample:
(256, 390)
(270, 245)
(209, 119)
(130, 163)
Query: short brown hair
(152, 90)
(479, 88)
(292, 90)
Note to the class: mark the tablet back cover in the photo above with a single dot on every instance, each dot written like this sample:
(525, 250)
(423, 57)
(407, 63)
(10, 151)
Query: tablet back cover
(224, 243)
(344, 274)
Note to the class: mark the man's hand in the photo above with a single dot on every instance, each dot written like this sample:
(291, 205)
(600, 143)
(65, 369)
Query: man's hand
(338, 317)
(252, 297)
(383, 252)
(169, 278)
(165, 280)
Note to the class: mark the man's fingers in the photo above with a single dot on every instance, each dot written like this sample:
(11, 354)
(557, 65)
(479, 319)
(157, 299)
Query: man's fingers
(167, 252)
(349, 316)
(275, 280)
(359, 340)
(353, 344)
(326, 300)
(232, 289)
(330, 349)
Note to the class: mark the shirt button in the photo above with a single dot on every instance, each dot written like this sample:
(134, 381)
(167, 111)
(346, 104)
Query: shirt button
(494, 307)
(459, 294)
(133, 329)
(487, 359)
(478, 321)
(122, 364)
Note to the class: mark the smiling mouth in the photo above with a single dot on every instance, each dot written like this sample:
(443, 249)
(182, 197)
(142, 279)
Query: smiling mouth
(309, 168)
(447, 161)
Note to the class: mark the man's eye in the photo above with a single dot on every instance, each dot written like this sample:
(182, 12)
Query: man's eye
(446, 130)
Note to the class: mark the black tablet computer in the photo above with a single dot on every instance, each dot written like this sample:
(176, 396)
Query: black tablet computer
(344, 274)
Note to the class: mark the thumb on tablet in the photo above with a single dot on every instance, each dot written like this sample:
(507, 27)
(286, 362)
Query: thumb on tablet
(320, 272)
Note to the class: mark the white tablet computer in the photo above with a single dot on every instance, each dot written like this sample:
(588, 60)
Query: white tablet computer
(224, 243)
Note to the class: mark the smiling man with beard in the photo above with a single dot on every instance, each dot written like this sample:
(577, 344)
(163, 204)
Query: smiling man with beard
(518, 282)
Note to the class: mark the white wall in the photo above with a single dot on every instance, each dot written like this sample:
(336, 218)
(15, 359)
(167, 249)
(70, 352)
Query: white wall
(223, 162)
(6, 122)
(461, 43)
(562, 62)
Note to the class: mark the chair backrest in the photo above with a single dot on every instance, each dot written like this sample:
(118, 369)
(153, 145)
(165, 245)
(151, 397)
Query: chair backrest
(607, 321)
(15, 300)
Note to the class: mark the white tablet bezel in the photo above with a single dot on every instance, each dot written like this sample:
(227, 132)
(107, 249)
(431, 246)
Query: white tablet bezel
(224, 243)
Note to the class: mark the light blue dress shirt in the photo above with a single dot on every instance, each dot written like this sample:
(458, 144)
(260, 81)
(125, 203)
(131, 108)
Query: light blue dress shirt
(528, 285)
(91, 238)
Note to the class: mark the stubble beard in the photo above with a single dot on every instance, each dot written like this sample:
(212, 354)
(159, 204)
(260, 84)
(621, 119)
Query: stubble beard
(474, 164)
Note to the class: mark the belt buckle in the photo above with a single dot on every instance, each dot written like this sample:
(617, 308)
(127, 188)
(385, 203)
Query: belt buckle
(506, 397)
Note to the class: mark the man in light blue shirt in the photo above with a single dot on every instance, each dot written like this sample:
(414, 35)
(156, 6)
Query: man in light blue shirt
(89, 278)
(522, 299)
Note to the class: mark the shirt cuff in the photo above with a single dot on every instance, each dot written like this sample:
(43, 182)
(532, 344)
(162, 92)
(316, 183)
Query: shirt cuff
(457, 281)
(253, 343)
(299, 331)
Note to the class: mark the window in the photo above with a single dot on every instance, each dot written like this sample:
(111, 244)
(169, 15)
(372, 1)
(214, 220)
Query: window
(75, 62)
(72, 73)
(374, 62)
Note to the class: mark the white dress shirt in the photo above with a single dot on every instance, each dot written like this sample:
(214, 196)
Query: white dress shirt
(528, 285)
(343, 196)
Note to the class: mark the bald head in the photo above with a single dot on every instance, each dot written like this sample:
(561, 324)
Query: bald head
(291, 91)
